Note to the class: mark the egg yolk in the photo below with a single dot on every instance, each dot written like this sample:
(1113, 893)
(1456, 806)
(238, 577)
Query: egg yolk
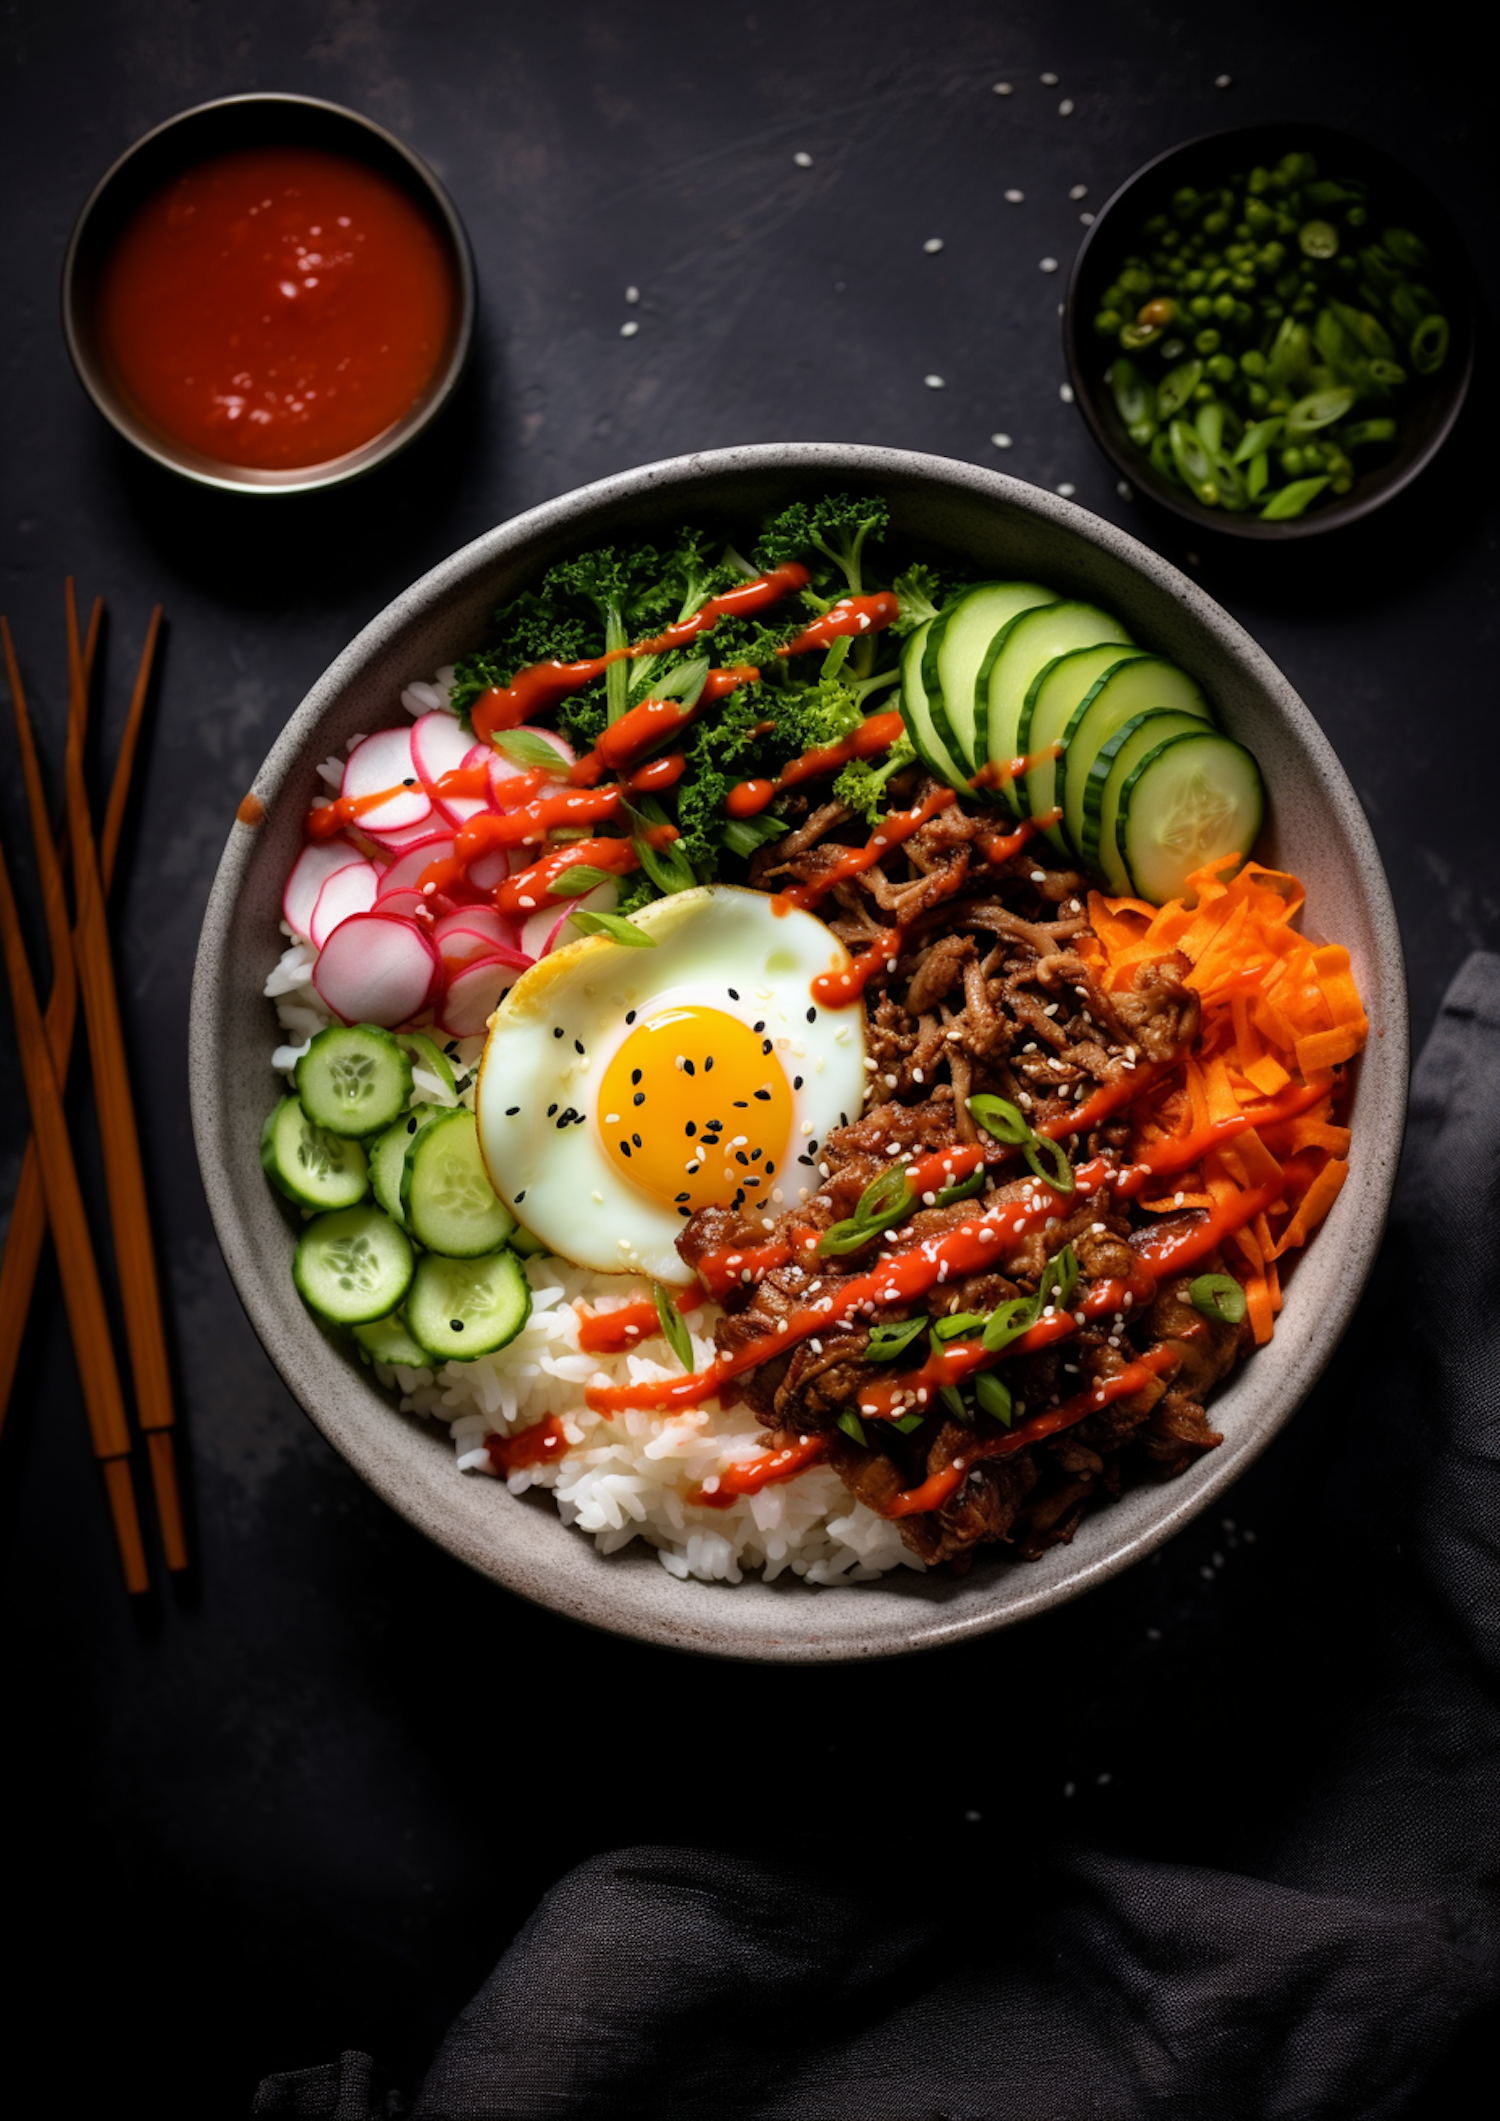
(696, 1110)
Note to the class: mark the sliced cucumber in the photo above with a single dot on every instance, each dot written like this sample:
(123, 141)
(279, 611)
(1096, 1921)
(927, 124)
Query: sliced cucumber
(352, 1266)
(1189, 801)
(1150, 681)
(460, 1309)
(954, 656)
(388, 1340)
(314, 1169)
(447, 1201)
(1024, 648)
(353, 1079)
(1117, 760)
(916, 712)
(529, 1247)
(1049, 707)
(388, 1159)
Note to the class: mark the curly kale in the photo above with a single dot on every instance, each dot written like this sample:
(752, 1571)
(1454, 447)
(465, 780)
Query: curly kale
(861, 785)
(920, 595)
(835, 528)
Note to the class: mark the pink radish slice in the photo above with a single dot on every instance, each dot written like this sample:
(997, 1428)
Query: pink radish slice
(385, 762)
(348, 890)
(474, 994)
(409, 904)
(386, 844)
(406, 870)
(497, 932)
(438, 745)
(543, 931)
(376, 969)
(462, 946)
(313, 867)
(489, 870)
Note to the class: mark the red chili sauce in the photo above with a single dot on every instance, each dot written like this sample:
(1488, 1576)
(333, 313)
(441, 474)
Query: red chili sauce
(278, 306)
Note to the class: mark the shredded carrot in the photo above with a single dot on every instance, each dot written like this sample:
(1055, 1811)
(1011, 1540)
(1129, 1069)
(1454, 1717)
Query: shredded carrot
(1279, 1014)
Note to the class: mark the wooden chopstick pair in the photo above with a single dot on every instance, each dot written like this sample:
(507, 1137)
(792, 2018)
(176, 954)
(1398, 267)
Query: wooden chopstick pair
(49, 1191)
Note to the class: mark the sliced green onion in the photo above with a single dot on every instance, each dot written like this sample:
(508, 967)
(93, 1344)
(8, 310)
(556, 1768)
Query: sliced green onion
(999, 1117)
(953, 1400)
(964, 1190)
(906, 1422)
(1219, 1297)
(958, 1325)
(1008, 1323)
(1320, 408)
(1040, 1151)
(1291, 500)
(851, 1425)
(529, 749)
(673, 1325)
(1429, 345)
(1132, 393)
(744, 836)
(1407, 249)
(1257, 439)
(1176, 387)
(994, 1397)
(614, 926)
(890, 1340)
(574, 882)
(1059, 1280)
(884, 1201)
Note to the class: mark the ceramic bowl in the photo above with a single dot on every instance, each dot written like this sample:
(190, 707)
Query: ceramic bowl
(217, 128)
(1004, 528)
(1428, 407)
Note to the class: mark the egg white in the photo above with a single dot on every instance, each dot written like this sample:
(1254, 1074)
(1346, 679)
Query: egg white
(555, 1032)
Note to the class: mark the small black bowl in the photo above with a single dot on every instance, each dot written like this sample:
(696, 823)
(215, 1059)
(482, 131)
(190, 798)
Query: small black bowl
(1427, 409)
(191, 136)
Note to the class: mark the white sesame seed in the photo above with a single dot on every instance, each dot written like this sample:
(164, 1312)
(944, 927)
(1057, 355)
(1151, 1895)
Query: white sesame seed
(1014, 198)
(1079, 191)
(1065, 392)
(1049, 265)
(802, 158)
(629, 328)
(933, 382)
(1039, 876)
(1102, 1779)
(1003, 88)
(1222, 80)
(1125, 490)
(632, 294)
(1067, 489)
(1065, 108)
(1086, 218)
(933, 245)
(1049, 80)
(1001, 441)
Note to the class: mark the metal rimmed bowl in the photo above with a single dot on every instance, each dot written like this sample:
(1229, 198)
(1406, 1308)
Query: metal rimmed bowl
(1428, 406)
(1002, 527)
(219, 128)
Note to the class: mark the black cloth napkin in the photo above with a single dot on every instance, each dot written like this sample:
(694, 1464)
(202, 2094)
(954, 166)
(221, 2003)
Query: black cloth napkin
(1322, 1960)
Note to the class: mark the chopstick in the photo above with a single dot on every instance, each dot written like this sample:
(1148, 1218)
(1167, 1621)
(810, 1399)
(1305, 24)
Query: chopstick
(82, 1293)
(28, 1215)
(125, 1180)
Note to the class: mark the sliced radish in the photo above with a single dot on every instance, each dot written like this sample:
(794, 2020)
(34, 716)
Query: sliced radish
(474, 994)
(490, 870)
(491, 927)
(349, 890)
(552, 925)
(438, 746)
(317, 862)
(382, 763)
(376, 969)
(409, 904)
(406, 870)
(383, 845)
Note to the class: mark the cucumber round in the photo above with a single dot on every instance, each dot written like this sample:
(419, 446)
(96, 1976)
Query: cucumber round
(388, 1160)
(1049, 706)
(954, 656)
(460, 1309)
(315, 1169)
(1189, 801)
(916, 713)
(447, 1201)
(1024, 648)
(1118, 758)
(388, 1341)
(529, 1247)
(353, 1079)
(352, 1266)
(1150, 681)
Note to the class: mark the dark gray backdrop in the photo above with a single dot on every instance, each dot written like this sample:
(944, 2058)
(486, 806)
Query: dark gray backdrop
(303, 1801)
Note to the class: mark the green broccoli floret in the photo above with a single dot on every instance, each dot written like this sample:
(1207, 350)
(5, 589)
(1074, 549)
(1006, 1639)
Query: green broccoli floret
(837, 527)
(636, 891)
(919, 597)
(861, 785)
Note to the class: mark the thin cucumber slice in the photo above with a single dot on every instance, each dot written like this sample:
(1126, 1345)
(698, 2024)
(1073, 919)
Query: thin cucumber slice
(314, 1169)
(353, 1079)
(460, 1309)
(1189, 801)
(954, 656)
(388, 1341)
(1026, 647)
(352, 1266)
(1117, 760)
(1150, 681)
(1049, 707)
(529, 1247)
(447, 1201)
(916, 712)
(388, 1159)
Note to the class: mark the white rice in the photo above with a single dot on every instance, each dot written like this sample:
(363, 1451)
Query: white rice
(627, 1478)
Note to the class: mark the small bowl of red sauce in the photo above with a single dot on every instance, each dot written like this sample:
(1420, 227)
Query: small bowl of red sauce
(269, 294)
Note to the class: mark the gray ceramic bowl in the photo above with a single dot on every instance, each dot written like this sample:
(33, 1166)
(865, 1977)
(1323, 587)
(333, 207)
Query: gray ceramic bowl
(1006, 527)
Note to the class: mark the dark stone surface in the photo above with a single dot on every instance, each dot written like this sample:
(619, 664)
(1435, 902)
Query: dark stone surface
(301, 1802)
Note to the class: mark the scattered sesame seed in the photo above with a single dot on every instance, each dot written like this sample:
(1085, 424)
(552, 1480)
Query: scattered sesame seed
(1001, 441)
(1069, 1788)
(1014, 197)
(1065, 392)
(1223, 80)
(1049, 265)
(934, 382)
(1065, 108)
(1049, 80)
(933, 245)
(802, 158)
(1086, 218)
(1067, 489)
(1102, 1779)
(1079, 191)
(1125, 490)
(1003, 88)
(629, 328)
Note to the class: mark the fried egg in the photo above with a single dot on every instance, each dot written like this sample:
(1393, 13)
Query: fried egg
(624, 1087)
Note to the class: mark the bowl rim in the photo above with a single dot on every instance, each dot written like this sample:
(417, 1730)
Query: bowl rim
(248, 479)
(834, 1626)
(1134, 467)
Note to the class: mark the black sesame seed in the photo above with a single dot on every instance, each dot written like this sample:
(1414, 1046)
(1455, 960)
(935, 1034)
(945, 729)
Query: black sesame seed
(550, 1110)
(684, 1196)
(455, 1325)
(843, 1119)
(765, 1045)
(812, 1016)
(630, 1016)
(412, 1124)
(520, 1196)
(733, 993)
(760, 1026)
(635, 1075)
(578, 1045)
(796, 1082)
(708, 1064)
(756, 1155)
(770, 1170)
(636, 1139)
(510, 1113)
(624, 1148)
(740, 1157)
(557, 1030)
(805, 1160)
(764, 1096)
(684, 1213)
(639, 1098)
(690, 1129)
(408, 784)
(742, 1104)
(687, 1064)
